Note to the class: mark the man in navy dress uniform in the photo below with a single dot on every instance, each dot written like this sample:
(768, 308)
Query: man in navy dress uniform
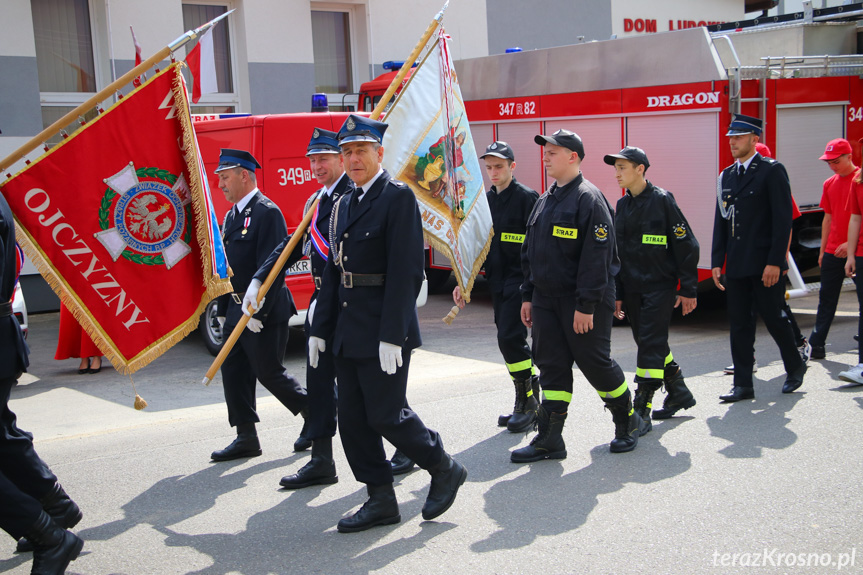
(32, 503)
(328, 168)
(366, 315)
(750, 237)
(253, 228)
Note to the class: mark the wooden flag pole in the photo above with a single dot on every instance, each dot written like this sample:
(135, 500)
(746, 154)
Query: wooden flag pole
(301, 228)
(105, 93)
(271, 278)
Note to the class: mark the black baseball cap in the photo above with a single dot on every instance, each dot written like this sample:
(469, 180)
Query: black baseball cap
(499, 150)
(630, 153)
(565, 139)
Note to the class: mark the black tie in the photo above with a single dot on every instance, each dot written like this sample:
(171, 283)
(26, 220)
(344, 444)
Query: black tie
(741, 169)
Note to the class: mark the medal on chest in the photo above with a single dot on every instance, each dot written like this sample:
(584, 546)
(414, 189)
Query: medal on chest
(246, 221)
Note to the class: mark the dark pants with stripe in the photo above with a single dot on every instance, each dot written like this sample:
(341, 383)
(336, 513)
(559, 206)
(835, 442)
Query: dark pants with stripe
(24, 477)
(556, 346)
(372, 407)
(511, 333)
(832, 276)
(322, 391)
(258, 356)
(649, 316)
(743, 294)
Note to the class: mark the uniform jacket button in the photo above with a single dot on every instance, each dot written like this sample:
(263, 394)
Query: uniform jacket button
(346, 235)
(345, 258)
(344, 304)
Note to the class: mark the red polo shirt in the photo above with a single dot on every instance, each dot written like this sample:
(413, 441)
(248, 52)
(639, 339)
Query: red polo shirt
(835, 201)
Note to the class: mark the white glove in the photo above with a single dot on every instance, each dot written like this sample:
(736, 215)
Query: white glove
(254, 325)
(391, 357)
(251, 298)
(310, 314)
(221, 320)
(316, 346)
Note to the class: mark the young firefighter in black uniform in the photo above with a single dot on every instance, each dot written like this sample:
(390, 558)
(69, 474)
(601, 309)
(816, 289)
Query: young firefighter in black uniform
(367, 316)
(325, 160)
(32, 503)
(569, 260)
(253, 227)
(657, 249)
(510, 203)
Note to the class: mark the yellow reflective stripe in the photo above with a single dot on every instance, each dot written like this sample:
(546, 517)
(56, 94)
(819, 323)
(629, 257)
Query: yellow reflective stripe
(557, 395)
(614, 393)
(569, 233)
(520, 366)
(669, 359)
(533, 370)
(514, 238)
(654, 240)
(650, 373)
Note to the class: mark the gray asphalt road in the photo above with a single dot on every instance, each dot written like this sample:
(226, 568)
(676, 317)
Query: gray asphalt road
(770, 486)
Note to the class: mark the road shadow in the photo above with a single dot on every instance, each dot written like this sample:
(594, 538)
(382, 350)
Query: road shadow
(524, 511)
(754, 425)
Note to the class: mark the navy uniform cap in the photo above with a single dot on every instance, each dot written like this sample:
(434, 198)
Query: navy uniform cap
(741, 124)
(630, 153)
(229, 158)
(499, 150)
(361, 129)
(323, 142)
(565, 139)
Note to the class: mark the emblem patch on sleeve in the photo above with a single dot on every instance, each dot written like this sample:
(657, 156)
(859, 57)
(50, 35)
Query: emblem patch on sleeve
(679, 230)
(600, 233)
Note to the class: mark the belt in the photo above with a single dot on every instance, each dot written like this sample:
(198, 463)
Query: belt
(238, 297)
(6, 309)
(317, 281)
(350, 280)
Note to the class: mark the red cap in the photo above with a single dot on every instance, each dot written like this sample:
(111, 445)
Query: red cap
(836, 148)
(763, 150)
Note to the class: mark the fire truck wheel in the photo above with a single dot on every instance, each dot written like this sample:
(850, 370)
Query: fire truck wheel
(210, 330)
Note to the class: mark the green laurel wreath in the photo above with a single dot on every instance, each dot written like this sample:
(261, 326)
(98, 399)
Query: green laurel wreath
(105, 212)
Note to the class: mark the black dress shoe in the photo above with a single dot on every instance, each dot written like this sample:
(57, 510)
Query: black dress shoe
(242, 446)
(382, 508)
(83, 370)
(738, 394)
(818, 352)
(794, 380)
(401, 463)
(446, 478)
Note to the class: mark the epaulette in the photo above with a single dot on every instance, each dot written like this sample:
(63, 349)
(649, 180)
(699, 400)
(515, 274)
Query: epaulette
(769, 160)
(269, 204)
(399, 184)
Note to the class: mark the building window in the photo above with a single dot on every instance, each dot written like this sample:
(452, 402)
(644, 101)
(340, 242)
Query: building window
(331, 40)
(195, 15)
(64, 45)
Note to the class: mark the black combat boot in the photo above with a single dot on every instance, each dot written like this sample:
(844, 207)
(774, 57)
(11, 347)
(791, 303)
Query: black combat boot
(53, 547)
(303, 442)
(548, 442)
(524, 412)
(62, 510)
(401, 463)
(679, 397)
(446, 478)
(382, 508)
(628, 425)
(245, 445)
(320, 470)
(643, 402)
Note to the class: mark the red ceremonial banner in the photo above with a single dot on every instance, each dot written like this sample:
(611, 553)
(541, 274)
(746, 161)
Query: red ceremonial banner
(115, 218)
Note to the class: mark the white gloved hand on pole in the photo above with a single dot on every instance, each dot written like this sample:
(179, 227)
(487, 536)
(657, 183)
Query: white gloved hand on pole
(391, 357)
(316, 346)
(310, 314)
(251, 299)
(255, 325)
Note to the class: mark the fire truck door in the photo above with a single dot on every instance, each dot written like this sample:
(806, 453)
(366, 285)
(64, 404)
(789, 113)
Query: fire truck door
(528, 156)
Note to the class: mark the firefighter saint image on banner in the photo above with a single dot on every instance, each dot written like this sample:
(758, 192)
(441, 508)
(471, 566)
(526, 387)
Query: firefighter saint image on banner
(118, 220)
(430, 148)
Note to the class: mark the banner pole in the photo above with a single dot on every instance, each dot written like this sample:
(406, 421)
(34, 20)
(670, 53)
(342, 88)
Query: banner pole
(385, 99)
(105, 93)
(271, 277)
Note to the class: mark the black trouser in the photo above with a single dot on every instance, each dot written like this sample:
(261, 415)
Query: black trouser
(258, 356)
(322, 392)
(511, 333)
(832, 276)
(24, 477)
(556, 346)
(743, 293)
(649, 316)
(372, 407)
(799, 340)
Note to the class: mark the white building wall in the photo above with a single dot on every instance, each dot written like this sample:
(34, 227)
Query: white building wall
(633, 17)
